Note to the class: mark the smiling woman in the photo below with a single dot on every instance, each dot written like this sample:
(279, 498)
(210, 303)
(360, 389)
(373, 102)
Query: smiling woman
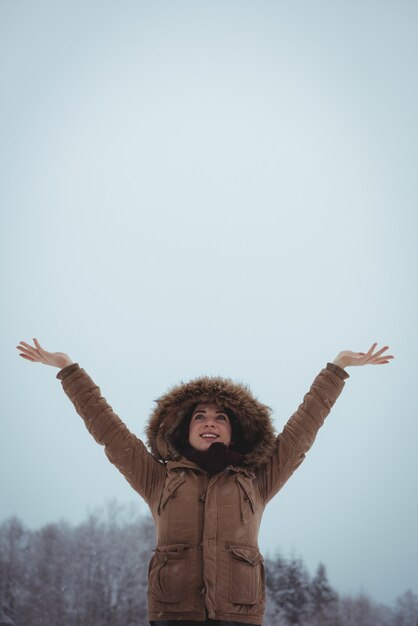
(214, 464)
(209, 423)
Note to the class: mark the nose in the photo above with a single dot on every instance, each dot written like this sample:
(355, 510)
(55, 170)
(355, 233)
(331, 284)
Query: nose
(210, 421)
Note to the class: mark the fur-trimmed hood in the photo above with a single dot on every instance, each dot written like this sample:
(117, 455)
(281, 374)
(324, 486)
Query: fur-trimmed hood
(254, 420)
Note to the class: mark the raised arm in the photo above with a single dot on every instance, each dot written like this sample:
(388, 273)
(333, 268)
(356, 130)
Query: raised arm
(301, 429)
(143, 472)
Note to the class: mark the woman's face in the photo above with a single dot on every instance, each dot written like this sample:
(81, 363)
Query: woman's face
(209, 423)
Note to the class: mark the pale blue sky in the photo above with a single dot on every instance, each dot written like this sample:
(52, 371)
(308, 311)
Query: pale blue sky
(223, 188)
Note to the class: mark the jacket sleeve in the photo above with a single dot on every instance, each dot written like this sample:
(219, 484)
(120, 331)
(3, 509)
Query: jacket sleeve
(143, 472)
(300, 431)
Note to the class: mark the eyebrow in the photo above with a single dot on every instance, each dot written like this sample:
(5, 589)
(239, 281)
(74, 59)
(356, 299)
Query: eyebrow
(204, 410)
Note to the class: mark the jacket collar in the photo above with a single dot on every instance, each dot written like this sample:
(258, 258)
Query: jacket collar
(183, 463)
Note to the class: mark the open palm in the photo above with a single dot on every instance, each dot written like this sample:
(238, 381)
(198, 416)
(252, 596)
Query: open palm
(349, 358)
(38, 355)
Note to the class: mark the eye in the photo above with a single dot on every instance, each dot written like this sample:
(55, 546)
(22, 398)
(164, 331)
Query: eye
(198, 416)
(221, 417)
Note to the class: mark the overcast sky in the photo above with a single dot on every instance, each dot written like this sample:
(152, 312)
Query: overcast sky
(223, 188)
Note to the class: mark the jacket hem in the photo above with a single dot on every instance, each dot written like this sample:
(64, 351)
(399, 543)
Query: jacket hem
(201, 617)
(196, 616)
(239, 617)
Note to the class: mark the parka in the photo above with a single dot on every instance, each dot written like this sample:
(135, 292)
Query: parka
(207, 562)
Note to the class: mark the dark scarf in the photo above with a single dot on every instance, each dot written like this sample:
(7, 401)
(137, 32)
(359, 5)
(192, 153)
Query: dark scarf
(215, 459)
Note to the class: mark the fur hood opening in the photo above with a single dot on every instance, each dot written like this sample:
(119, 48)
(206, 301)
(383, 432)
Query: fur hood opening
(253, 419)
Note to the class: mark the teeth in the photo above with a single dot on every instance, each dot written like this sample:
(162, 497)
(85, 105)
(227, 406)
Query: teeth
(207, 435)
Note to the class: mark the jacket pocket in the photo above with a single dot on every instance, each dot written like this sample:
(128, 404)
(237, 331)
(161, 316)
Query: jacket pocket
(168, 572)
(247, 487)
(246, 577)
(169, 490)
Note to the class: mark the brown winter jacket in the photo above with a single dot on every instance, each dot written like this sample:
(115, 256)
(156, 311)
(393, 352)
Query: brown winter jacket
(207, 561)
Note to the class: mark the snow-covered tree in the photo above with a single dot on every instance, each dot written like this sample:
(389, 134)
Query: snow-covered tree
(14, 539)
(288, 585)
(95, 574)
(275, 580)
(406, 611)
(361, 611)
(324, 600)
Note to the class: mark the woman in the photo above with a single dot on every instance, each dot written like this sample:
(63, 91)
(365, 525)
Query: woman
(215, 463)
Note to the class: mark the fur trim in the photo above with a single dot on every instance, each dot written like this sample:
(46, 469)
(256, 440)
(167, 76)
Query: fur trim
(254, 418)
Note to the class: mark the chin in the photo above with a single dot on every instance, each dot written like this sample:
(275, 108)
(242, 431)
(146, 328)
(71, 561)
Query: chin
(203, 445)
(206, 446)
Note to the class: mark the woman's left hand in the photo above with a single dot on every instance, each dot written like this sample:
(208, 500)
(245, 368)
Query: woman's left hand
(348, 358)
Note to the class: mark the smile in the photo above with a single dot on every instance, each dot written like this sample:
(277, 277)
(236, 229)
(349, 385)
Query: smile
(209, 436)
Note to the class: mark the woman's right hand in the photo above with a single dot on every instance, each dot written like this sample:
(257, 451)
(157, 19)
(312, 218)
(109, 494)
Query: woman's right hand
(38, 354)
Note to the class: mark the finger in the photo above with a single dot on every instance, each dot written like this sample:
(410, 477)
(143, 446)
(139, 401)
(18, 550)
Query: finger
(23, 349)
(31, 349)
(381, 360)
(37, 344)
(34, 355)
(27, 345)
(27, 357)
(380, 351)
(372, 348)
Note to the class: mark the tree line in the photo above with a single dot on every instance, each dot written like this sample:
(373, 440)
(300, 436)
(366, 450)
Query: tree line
(95, 574)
